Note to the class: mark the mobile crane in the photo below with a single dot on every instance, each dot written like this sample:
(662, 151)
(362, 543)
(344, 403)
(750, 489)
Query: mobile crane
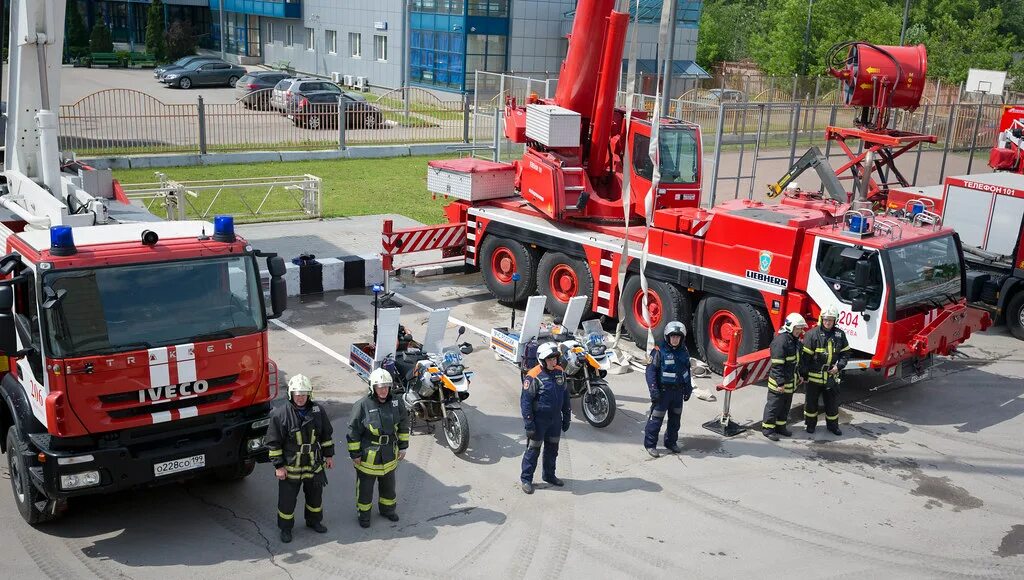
(554, 221)
(133, 351)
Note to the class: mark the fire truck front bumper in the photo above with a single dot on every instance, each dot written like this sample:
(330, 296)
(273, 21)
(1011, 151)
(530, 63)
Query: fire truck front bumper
(226, 445)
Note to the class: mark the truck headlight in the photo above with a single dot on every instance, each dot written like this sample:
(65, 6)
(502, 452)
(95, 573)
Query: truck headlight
(256, 444)
(261, 423)
(80, 480)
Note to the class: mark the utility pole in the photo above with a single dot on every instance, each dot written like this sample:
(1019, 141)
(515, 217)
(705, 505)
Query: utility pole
(906, 15)
(807, 39)
(223, 30)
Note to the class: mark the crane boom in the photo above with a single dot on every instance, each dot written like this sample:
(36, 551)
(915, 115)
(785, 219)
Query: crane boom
(36, 190)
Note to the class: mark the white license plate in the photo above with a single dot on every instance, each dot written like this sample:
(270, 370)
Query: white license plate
(920, 377)
(179, 465)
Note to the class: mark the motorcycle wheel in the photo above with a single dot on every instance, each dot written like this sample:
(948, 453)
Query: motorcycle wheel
(456, 431)
(599, 406)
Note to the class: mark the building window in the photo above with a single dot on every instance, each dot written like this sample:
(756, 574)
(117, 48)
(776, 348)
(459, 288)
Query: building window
(310, 39)
(289, 39)
(486, 52)
(437, 58)
(380, 48)
(331, 37)
(355, 44)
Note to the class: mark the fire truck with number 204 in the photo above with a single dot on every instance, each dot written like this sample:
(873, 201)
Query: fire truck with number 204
(134, 350)
(556, 217)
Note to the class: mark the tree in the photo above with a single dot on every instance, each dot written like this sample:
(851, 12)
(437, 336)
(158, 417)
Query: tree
(155, 44)
(180, 40)
(76, 35)
(100, 39)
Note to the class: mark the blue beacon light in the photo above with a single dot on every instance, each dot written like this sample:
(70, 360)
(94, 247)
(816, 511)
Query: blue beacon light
(223, 228)
(62, 241)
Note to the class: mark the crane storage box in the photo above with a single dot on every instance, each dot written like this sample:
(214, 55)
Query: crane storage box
(553, 126)
(471, 179)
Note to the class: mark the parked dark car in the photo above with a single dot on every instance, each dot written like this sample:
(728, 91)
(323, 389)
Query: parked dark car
(182, 62)
(319, 110)
(288, 92)
(253, 90)
(202, 73)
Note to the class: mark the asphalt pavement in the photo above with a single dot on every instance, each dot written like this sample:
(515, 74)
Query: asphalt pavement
(927, 481)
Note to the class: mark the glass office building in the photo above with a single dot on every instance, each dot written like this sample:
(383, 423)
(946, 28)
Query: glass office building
(450, 37)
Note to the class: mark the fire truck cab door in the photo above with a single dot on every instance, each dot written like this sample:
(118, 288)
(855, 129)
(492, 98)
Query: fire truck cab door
(831, 281)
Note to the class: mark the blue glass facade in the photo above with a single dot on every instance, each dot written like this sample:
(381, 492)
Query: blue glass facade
(272, 8)
(450, 39)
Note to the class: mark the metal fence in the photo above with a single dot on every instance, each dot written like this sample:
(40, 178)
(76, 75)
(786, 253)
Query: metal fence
(126, 121)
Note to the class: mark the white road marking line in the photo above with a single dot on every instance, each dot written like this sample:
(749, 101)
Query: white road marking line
(451, 318)
(313, 342)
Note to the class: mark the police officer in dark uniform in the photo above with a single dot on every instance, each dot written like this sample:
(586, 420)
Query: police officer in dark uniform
(668, 379)
(783, 377)
(301, 447)
(544, 403)
(825, 354)
(378, 435)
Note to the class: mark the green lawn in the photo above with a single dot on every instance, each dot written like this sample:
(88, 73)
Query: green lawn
(350, 187)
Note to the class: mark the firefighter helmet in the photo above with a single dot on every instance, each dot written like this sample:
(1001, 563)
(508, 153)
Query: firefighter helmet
(299, 385)
(830, 311)
(793, 321)
(546, 350)
(380, 377)
(675, 327)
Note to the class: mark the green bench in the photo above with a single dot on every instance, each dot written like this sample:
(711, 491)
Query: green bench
(107, 58)
(142, 59)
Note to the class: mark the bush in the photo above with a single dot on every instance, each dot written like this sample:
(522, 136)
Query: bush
(76, 35)
(155, 44)
(100, 39)
(180, 40)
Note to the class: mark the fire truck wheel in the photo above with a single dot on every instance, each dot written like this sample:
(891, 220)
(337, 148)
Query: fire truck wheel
(665, 302)
(26, 495)
(499, 259)
(717, 318)
(1015, 315)
(560, 277)
(235, 472)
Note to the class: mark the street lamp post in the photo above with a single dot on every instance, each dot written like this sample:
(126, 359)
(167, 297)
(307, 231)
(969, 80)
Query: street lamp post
(223, 32)
(807, 39)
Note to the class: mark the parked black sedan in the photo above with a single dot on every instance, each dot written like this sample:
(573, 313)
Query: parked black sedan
(200, 73)
(180, 63)
(253, 90)
(319, 110)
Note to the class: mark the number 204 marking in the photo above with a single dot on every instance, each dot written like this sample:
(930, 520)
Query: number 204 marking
(848, 319)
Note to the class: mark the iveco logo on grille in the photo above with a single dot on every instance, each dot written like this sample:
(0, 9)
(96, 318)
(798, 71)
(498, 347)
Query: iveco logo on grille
(155, 394)
(766, 278)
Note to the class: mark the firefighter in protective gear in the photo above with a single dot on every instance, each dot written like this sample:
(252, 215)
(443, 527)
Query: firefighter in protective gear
(544, 403)
(668, 379)
(825, 353)
(783, 377)
(378, 436)
(301, 448)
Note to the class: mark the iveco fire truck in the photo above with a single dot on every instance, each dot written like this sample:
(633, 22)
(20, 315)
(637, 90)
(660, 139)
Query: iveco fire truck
(134, 350)
(559, 218)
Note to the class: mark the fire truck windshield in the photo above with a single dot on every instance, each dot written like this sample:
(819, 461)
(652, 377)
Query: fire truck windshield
(678, 150)
(926, 274)
(133, 307)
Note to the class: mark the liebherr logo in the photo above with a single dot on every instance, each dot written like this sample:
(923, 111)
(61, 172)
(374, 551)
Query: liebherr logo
(767, 278)
(163, 394)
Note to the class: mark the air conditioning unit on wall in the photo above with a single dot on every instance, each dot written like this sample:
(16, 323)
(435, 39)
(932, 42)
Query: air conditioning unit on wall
(348, 80)
(336, 77)
(362, 84)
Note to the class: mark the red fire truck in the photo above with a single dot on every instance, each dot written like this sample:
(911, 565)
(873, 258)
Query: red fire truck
(134, 351)
(556, 217)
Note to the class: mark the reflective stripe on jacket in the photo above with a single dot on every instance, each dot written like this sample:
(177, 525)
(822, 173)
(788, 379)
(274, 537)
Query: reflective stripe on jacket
(300, 444)
(377, 432)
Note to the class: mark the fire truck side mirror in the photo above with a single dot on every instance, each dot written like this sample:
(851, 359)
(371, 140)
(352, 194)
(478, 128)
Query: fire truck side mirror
(859, 304)
(8, 337)
(275, 265)
(278, 287)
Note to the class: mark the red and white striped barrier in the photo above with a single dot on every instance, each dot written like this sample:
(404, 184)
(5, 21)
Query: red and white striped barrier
(738, 373)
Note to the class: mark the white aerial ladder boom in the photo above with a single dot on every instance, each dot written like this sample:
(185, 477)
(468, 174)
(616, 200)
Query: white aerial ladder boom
(36, 190)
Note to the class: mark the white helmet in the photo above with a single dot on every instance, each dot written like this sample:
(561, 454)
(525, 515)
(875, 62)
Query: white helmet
(299, 384)
(793, 321)
(546, 350)
(675, 327)
(830, 311)
(380, 377)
